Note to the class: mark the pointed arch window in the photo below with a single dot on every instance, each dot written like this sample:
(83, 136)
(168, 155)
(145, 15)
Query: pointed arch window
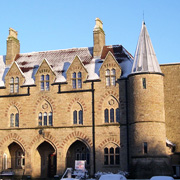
(14, 120)
(45, 116)
(78, 117)
(45, 119)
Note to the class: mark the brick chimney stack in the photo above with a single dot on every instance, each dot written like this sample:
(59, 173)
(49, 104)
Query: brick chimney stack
(99, 38)
(13, 46)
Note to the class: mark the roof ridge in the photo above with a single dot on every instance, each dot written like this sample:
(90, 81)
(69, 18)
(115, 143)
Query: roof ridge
(34, 52)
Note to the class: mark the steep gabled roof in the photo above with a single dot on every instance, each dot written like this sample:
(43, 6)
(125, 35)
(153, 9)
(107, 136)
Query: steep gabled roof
(145, 58)
(60, 60)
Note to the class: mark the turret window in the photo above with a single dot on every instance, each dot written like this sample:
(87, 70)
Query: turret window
(145, 147)
(77, 80)
(110, 77)
(14, 85)
(144, 83)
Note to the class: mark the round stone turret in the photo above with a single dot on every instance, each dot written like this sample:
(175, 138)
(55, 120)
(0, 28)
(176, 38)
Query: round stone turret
(147, 134)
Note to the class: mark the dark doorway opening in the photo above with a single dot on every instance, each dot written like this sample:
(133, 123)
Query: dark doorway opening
(48, 160)
(78, 151)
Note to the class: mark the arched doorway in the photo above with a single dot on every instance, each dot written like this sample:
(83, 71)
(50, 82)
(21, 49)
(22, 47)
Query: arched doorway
(47, 160)
(17, 156)
(78, 151)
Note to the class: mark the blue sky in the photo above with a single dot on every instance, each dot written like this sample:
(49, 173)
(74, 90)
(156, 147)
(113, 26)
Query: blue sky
(60, 24)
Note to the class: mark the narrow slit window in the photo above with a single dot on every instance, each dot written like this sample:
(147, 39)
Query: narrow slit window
(145, 148)
(144, 83)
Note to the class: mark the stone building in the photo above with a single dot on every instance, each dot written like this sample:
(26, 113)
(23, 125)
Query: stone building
(98, 104)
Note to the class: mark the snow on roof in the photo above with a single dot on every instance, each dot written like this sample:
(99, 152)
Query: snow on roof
(60, 60)
(145, 58)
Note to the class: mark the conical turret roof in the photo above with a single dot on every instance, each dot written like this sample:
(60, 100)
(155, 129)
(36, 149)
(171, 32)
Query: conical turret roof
(145, 58)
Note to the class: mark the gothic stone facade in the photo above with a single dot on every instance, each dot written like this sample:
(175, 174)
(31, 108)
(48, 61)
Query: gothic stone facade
(78, 104)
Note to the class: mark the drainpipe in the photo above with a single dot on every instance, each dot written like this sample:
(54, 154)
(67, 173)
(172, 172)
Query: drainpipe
(93, 128)
(127, 122)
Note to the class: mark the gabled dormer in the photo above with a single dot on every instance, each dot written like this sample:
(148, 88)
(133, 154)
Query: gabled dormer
(110, 71)
(14, 79)
(76, 74)
(44, 76)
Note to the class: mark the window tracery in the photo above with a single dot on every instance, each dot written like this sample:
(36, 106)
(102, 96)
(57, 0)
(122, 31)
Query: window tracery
(45, 115)
(111, 111)
(77, 114)
(14, 117)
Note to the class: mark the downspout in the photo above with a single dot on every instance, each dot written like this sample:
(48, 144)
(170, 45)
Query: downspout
(127, 122)
(93, 128)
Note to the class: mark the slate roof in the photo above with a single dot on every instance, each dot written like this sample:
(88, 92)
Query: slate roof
(145, 58)
(60, 60)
